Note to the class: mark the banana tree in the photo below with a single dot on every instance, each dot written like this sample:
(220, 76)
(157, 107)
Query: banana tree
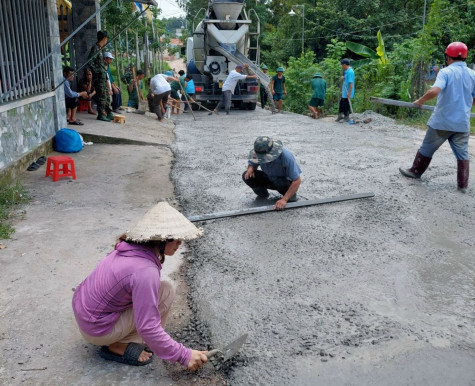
(366, 52)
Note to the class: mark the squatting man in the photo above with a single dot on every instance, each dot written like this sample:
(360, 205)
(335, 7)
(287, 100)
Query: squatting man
(280, 171)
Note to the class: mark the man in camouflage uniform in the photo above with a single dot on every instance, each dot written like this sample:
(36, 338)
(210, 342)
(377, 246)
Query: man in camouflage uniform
(280, 171)
(99, 78)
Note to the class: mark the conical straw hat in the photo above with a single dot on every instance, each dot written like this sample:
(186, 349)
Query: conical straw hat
(163, 222)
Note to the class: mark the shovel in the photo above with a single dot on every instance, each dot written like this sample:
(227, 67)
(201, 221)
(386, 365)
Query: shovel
(230, 350)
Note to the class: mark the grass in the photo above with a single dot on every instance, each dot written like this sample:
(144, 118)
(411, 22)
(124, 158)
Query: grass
(421, 122)
(10, 198)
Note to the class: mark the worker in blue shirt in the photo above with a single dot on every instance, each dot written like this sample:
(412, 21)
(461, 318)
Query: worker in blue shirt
(189, 90)
(279, 171)
(347, 91)
(450, 121)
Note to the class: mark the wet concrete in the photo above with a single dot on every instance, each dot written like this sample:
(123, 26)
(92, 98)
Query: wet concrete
(375, 291)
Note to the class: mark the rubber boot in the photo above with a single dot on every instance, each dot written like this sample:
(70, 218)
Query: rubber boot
(102, 117)
(261, 192)
(340, 117)
(462, 175)
(110, 116)
(418, 168)
(346, 118)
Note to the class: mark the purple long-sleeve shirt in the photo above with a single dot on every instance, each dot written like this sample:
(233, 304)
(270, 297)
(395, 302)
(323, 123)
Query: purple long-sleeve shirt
(128, 277)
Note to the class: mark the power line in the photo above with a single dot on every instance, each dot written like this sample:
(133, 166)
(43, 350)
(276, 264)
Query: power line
(354, 33)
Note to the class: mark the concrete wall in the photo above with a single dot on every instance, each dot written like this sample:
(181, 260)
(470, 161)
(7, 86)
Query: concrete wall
(28, 125)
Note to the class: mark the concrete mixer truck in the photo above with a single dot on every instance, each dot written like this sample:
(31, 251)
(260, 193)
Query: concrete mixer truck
(220, 42)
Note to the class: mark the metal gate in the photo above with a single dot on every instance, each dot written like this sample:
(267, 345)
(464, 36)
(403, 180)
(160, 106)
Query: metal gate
(24, 42)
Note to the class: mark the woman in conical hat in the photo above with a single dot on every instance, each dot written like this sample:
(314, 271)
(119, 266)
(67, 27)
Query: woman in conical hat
(123, 306)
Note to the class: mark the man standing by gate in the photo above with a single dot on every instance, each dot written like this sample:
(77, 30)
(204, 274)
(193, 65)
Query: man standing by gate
(99, 78)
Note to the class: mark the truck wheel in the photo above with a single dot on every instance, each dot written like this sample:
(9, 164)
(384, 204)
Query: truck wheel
(251, 105)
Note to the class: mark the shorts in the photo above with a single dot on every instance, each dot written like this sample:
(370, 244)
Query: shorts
(71, 103)
(316, 102)
(278, 96)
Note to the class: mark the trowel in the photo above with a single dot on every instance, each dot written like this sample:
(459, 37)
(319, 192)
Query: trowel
(230, 350)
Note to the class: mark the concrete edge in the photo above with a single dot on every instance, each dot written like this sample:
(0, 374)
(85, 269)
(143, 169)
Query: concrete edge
(11, 173)
(118, 141)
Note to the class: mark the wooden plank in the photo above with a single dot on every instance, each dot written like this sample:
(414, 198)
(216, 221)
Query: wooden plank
(393, 102)
(271, 208)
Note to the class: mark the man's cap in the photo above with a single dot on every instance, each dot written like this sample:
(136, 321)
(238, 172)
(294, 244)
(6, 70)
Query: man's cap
(279, 69)
(265, 150)
(108, 55)
(317, 75)
(239, 67)
(264, 67)
(345, 61)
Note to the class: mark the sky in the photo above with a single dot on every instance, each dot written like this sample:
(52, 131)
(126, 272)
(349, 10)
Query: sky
(169, 9)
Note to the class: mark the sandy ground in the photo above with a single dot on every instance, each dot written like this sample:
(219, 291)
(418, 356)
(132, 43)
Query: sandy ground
(377, 291)
(177, 65)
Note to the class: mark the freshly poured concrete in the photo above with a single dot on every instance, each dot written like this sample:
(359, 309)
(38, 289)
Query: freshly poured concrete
(376, 292)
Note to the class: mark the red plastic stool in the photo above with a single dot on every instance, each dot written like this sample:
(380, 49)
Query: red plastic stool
(63, 166)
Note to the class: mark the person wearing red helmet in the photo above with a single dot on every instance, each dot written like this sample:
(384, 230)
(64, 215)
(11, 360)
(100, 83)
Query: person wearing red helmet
(450, 121)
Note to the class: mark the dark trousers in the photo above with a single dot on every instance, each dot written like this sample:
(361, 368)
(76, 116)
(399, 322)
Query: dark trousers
(344, 106)
(261, 180)
(183, 98)
(116, 100)
(263, 97)
(163, 97)
(226, 101)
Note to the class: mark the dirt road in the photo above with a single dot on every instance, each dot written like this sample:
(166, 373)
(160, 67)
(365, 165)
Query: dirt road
(375, 292)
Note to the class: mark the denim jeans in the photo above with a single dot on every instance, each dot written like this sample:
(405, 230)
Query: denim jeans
(435, 138)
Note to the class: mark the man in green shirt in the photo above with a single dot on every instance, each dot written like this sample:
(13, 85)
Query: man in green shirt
(99, 78)
(319, 87)
(277, 88)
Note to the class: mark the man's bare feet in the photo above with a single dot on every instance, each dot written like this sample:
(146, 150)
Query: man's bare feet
(119, 349)
(92, 112)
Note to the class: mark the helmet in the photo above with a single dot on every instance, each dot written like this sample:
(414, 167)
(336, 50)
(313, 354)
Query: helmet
(457, 50)
(169, 73)
(280, 69)
(317, 75)
(264, 67)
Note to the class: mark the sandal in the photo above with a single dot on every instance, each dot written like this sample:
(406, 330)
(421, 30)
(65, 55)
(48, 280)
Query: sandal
(76, 123)
(41, 160)
(33, 166)
(130, 357)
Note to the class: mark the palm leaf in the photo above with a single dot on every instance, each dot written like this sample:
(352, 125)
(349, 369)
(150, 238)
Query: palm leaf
(361, 62)
(362, 50)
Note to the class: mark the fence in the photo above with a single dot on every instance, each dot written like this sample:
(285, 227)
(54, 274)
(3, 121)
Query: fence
(24, 43)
